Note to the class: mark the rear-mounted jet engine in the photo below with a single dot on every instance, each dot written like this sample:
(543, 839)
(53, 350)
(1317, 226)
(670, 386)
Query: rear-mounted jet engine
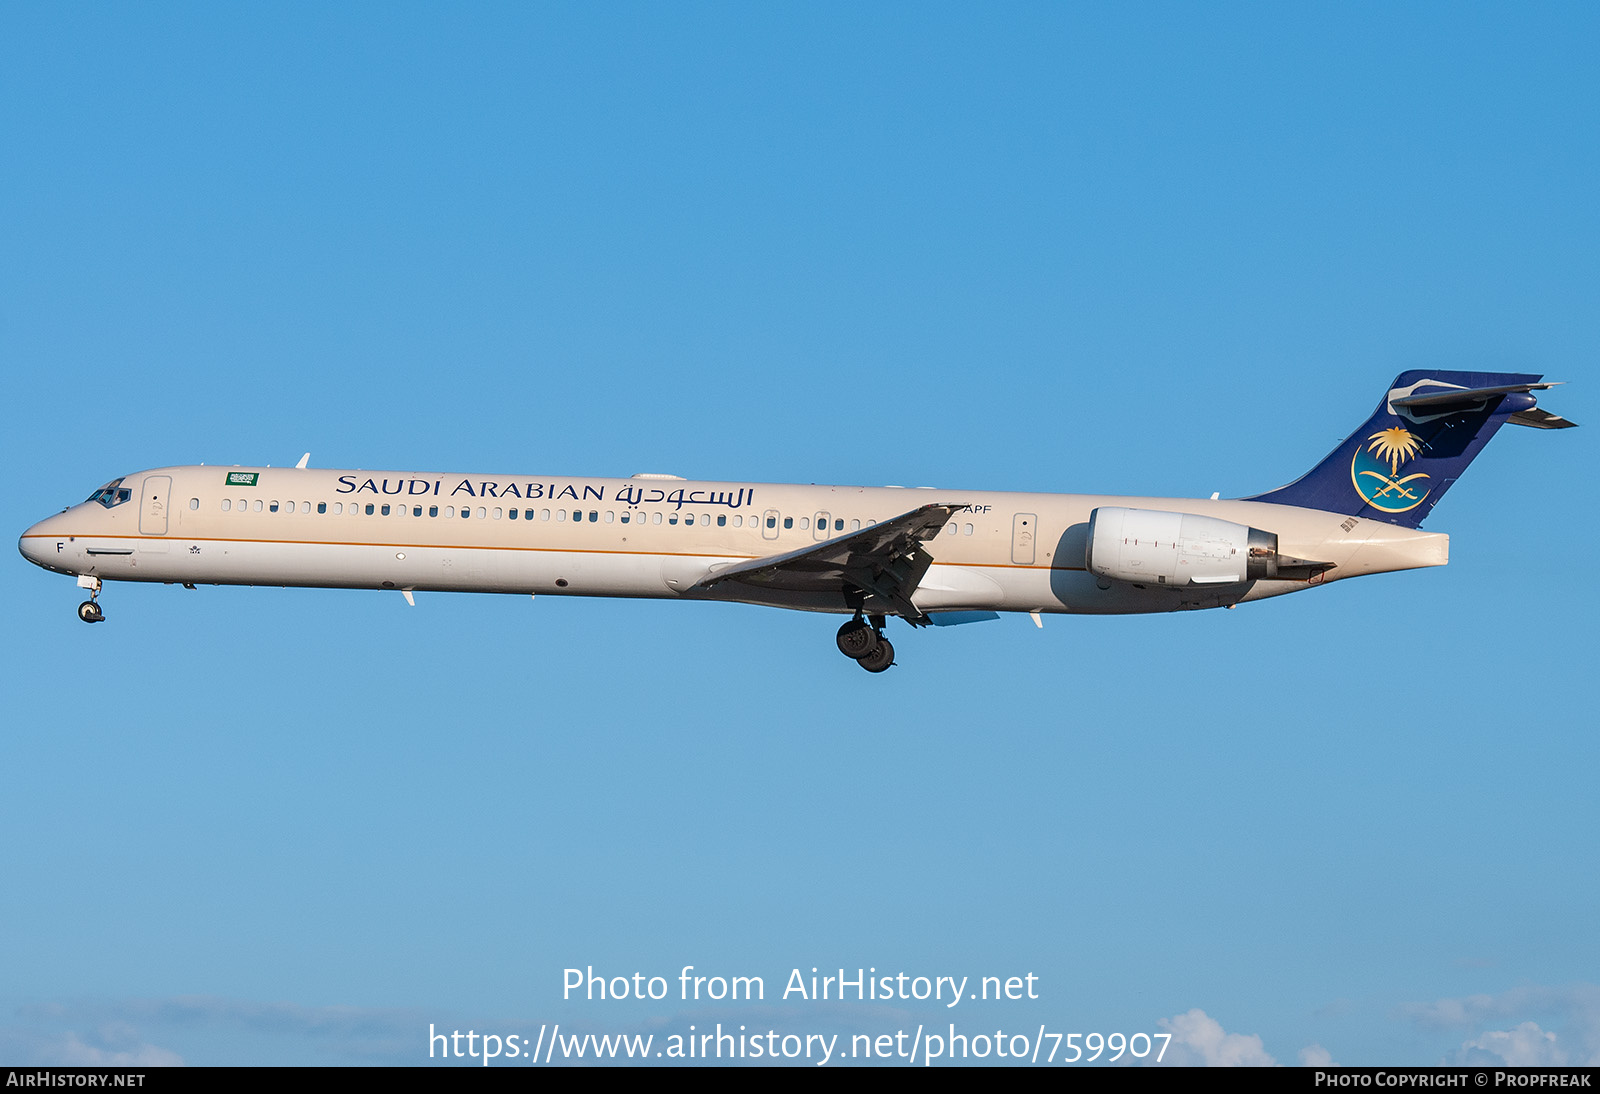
(1155, 547)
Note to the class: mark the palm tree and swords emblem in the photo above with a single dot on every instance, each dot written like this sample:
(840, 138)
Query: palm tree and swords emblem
(1390, 492)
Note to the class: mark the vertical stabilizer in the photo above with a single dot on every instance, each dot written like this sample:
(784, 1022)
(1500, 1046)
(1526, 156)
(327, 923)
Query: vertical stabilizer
(1428, 427)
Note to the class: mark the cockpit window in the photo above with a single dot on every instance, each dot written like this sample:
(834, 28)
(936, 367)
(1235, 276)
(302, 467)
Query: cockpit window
(112, 493)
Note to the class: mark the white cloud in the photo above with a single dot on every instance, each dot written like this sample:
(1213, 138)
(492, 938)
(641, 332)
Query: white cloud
(1572, 1011)
(1525, 1046)
(118, 1033)
(1199, 1040)
(73, 1052)
(1316, 1056)
(106, 1048)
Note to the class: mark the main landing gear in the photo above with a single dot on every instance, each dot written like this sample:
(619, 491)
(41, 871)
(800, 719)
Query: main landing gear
(865, 644)
(89, 611)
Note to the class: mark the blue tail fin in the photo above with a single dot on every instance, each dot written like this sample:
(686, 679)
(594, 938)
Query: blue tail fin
(1427, 428)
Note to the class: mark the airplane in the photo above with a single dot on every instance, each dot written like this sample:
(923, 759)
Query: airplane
(945, 557)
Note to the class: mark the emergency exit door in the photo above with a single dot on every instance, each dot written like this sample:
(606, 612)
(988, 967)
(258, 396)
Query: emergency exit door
(1024, 529)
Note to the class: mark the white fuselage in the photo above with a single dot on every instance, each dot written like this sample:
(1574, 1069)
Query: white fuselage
(644, 537)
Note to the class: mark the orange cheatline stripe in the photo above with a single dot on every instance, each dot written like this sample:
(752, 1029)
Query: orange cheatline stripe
(488, 547)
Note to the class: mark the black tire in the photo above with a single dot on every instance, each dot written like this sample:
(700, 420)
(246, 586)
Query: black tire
(90, 612)
(857, 639)
(881, 657)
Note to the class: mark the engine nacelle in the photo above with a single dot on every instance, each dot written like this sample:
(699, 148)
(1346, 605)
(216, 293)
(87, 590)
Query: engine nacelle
(1155, 547)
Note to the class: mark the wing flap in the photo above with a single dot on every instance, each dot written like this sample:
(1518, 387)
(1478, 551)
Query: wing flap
(886, 560)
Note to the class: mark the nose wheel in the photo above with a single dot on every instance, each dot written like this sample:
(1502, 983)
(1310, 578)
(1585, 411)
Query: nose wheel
(89, 611)
(865, 644)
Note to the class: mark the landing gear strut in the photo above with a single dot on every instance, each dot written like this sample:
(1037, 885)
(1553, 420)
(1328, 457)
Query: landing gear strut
(89, 611)
(864, 643)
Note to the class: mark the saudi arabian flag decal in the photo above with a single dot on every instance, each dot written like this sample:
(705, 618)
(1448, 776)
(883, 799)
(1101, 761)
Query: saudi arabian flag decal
(242, 478)
(1375, 471)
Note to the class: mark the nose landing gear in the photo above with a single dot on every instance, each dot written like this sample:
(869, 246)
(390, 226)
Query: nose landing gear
(865, 644)
(89, 611)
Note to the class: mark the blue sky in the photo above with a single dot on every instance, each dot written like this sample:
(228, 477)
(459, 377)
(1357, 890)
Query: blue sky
(1169, 250)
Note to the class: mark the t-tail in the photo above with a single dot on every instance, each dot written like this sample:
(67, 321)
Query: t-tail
(1427, 428)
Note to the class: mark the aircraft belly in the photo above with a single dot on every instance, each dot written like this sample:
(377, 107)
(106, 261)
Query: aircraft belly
(949, 587)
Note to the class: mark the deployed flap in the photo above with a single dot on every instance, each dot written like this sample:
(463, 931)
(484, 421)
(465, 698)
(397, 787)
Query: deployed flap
(955, 619)
(885, 560)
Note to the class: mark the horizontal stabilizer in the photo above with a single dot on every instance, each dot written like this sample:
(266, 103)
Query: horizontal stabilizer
(1540, 419)
(1466, 397)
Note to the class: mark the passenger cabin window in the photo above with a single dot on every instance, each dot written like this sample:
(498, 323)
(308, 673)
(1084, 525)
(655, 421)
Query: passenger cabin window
(227, 504)
(322, 507)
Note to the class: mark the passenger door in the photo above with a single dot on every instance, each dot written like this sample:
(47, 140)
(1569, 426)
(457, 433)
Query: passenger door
(154, 502)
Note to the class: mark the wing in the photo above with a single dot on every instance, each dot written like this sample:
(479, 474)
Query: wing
(885, 560)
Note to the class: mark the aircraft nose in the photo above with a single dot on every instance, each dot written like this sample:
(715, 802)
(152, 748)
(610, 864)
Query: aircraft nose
(28, 544)
(38, 543)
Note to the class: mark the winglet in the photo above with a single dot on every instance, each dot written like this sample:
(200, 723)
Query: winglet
(301, 466)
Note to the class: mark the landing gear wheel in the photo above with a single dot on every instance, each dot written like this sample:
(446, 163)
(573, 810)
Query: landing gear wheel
(90, 612)
(856, 639)
(881, 657)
